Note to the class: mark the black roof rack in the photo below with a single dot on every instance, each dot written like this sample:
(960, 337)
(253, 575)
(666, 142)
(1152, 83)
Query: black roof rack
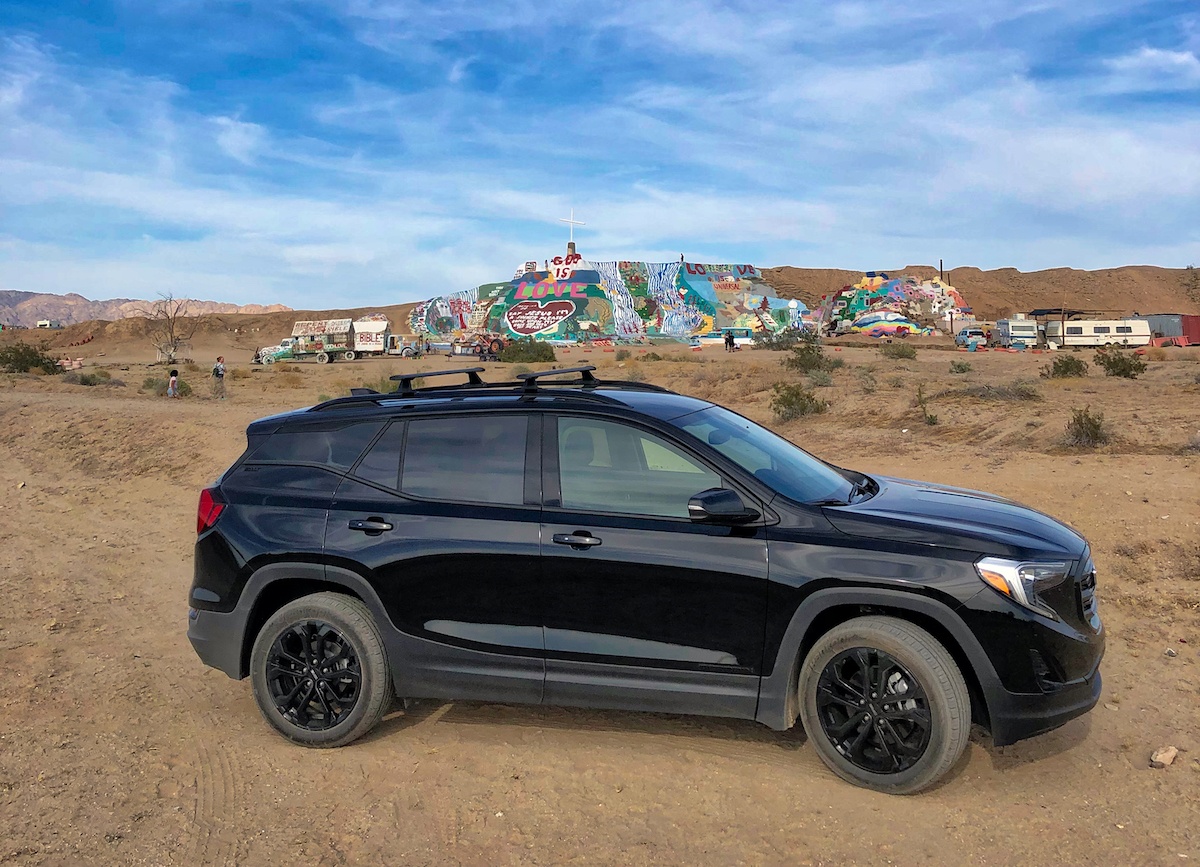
(405, 388)
(525, 385)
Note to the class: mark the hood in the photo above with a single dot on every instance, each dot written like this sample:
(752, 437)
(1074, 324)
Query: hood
(928, 514)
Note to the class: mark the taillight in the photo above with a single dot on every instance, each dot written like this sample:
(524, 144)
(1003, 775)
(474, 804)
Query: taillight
(210, 509)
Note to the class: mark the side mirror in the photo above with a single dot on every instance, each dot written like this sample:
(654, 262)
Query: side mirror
(720, 506)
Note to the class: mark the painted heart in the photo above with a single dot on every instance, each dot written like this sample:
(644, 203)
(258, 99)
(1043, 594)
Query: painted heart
(532, 317)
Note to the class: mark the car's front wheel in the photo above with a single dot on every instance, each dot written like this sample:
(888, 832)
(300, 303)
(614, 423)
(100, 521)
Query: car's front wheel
(319, 670)
(884, 704)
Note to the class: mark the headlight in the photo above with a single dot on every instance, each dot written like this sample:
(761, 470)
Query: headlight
(1023, 582)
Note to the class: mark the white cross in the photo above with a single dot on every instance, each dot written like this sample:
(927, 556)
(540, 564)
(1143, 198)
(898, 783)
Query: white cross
(573, 222)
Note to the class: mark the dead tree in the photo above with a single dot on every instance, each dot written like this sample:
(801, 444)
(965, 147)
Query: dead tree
(170, 326)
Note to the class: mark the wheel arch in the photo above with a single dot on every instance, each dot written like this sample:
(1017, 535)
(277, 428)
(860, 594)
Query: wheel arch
(778, 703)
(277, 584)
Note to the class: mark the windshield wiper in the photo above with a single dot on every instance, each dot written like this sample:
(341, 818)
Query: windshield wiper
(831, 501)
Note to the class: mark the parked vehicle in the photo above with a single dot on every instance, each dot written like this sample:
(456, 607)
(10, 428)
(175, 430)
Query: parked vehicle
(615, 544)
(741, 337)
(1021, 332)
(397, 345)
(326, 340)
(1097, 332)
(969, 335)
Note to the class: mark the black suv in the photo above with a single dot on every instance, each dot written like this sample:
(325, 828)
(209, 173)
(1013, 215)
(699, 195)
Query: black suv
(615, 544)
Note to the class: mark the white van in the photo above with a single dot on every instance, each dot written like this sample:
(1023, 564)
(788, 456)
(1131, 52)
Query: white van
(1010, 331)
(1097, 332)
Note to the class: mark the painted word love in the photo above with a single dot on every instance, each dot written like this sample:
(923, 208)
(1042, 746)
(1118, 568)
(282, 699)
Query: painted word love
(552, 290)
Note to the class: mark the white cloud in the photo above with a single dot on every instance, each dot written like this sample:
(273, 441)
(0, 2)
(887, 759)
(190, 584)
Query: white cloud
(1149, 69)
(239, 139)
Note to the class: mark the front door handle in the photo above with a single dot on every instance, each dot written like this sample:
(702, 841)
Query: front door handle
(372, 527)
(578, 541)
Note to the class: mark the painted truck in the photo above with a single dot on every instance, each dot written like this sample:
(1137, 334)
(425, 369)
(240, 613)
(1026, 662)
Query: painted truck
(1097, 332)
(326, 340)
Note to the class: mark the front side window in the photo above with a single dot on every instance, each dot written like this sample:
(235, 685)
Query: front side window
(470, 459)
(609, 467)
(777, 463)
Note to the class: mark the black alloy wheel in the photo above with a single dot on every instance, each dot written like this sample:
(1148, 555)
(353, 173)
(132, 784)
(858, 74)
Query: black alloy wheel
(314, 675)
(319, 670)
(873, 710)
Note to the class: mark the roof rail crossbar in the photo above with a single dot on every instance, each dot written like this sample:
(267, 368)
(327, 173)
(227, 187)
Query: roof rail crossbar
(587, 380)
(405, 388)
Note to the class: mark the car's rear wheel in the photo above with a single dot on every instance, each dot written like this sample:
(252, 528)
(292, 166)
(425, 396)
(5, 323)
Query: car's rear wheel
(319, 670)
(348, 355)
(884, 704)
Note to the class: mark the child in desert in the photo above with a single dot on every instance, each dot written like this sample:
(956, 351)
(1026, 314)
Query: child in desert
(173, 384)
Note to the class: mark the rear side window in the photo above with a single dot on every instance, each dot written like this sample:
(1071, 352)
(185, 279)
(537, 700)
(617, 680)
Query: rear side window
(471, 459)
(336, 448)
(381, 463)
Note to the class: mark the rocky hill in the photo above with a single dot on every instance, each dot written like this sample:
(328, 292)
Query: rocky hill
(1000, 292)
(26, 308)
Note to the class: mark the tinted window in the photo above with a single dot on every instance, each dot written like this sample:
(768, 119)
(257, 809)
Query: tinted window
(1124, 329)
(773, 460)
(608, 467)
(381, 463)
(1099, 329)
(1074, 329)
(338, 448)
(473, 459)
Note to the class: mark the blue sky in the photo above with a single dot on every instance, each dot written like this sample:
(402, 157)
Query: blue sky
(378, 151)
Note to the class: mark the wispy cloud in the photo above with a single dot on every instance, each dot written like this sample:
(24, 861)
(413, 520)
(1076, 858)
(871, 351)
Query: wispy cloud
(371, 151)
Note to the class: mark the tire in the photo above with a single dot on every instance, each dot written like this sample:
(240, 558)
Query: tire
(346, 627)
(322, 358)
(911, 759)
(270, 359)
(348, 355)
(496, 346)
(408, 352)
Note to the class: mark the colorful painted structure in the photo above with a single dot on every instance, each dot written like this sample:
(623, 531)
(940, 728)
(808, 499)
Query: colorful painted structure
(882, 306)
(572, 299)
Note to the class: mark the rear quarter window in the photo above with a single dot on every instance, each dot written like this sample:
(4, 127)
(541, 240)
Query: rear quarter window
(334, 447)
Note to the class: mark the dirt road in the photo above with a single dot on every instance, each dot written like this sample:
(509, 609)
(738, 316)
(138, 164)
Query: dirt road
(118, 747)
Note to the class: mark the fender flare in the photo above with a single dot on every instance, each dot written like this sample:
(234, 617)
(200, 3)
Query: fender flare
(247, 607)
(778, 704)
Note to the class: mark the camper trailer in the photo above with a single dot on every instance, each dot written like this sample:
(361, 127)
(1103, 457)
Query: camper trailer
(1022, 332)
(1097, 332)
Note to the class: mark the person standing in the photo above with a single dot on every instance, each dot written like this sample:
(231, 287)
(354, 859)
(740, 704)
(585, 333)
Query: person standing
(729, 341)
(218, 374)
(173, 384)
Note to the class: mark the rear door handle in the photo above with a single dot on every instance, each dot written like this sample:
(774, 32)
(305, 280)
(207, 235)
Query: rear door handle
(372, 526)
(578, 541)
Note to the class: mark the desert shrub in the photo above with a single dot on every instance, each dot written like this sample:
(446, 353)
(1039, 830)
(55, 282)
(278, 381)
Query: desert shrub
(652, 356)
(191, 367)
(1086, 429)
(527, 349)
(793, 401)
(807, 354)
(1156, 353)
(922, 402)
(238, 373)
(1193, 445)
(622, 354)
(785, 338)
(1117, 363)
(25, 357)
(896, 381)
(835, 363)
(521, 368)
(1064, 366)
(866, 379)
(635, 374)
(291, 379)
(897, 351)
(92, 379)
(1019, 390)
(820, 378)
(957, 366)
(321, 398)
(158, 386)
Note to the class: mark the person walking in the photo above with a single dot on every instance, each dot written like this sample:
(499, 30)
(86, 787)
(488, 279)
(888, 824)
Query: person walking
(218, 375)
(173, 384)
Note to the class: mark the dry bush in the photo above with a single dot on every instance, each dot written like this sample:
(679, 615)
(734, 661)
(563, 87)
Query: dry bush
(793, 401)
(291, 379)
(239, 373)
(898, 351)
(1086, 429)
(1019, 390)
(1156, 353)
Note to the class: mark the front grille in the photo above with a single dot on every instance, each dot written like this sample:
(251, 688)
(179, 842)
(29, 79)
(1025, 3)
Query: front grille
(1087, 594)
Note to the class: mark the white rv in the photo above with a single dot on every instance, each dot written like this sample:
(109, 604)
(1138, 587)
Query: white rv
(1010, 331)
(1097, 332)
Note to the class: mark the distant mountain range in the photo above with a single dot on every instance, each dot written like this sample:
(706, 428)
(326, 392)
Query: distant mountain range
(26, 308)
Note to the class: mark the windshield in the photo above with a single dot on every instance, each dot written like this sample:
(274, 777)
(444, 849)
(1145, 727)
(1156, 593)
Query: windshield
(779, 464)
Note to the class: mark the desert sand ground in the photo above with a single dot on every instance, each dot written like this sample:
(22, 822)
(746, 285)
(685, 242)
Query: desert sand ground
(118, 747)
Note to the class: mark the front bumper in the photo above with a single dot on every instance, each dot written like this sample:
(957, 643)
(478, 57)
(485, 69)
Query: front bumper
(1016, 716)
